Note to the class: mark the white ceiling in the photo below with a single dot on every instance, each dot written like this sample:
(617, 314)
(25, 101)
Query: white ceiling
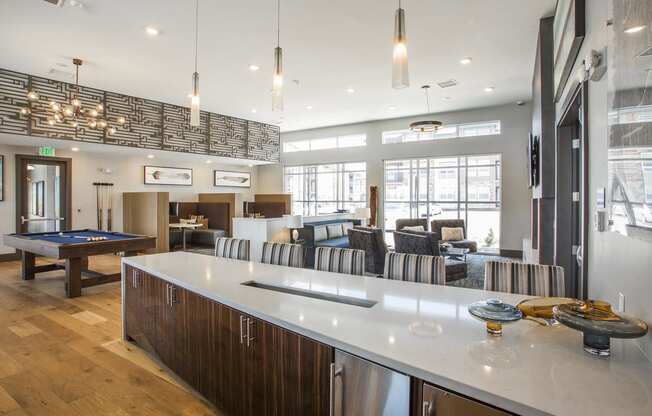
(328, 47)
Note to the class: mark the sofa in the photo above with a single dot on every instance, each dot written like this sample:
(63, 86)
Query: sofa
(437, 225)
(329, 233)
(372, 241)
(216, 222)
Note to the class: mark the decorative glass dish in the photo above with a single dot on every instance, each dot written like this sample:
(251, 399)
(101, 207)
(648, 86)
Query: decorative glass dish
(540, 311)
(495, 313)
(599, 324)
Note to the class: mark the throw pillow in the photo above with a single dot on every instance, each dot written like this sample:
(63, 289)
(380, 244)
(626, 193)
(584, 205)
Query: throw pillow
(334, 231)
(452, 233)
(346, 226)
(320, 233)
(413, 228)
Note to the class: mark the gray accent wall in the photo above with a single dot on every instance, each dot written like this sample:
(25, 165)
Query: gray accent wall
(511, 144)
(616, 264)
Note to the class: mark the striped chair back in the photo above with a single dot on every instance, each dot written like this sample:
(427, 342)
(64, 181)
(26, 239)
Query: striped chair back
(415, 268)
(339, 260)
(524, 278)
(283, 254)
(232, 248)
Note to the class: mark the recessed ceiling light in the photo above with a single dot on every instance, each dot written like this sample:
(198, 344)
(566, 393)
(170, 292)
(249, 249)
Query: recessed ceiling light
(634, 29)
(150, 156)
(253, 110)
(209, 162)
(308, 107)
(520, 103)
(489, 89)
(466, 61)
(391, 108)
(152, 31)
(75, 149)
(447, 98)
(350, 90)
(253, 67)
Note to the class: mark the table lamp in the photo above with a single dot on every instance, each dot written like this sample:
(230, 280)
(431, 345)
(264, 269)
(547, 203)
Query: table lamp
(363, 214)
(295, 222)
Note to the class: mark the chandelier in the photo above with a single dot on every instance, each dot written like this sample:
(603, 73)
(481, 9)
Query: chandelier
(72, 113)
(426, 126)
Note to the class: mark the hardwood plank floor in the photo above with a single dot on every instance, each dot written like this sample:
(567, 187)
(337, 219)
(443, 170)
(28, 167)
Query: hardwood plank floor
(61, 356)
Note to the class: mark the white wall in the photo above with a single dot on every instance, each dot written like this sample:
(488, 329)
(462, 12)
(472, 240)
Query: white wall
(511, 144)
(617, 264)
(127, 175)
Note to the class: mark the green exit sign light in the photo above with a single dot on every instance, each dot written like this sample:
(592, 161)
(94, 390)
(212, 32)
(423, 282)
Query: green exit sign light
(46, 151)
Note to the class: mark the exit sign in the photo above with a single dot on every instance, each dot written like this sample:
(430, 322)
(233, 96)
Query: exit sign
(46, 151)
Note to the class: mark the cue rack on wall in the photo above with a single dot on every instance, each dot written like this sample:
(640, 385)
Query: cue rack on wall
(104, 195)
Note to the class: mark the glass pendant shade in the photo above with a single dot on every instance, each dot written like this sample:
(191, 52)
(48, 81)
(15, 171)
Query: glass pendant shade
(194, 101)
(400, 76)
(277, 82)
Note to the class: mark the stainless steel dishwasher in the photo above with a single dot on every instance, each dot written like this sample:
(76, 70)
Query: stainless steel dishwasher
(360, 387)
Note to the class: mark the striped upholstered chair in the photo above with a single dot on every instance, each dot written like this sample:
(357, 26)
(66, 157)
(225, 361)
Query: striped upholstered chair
(232, 248)
(339, 260)
(283, 254)
(524, 278)
(415, 268)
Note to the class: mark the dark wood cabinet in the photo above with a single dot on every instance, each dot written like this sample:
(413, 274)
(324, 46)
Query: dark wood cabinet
(245, 366)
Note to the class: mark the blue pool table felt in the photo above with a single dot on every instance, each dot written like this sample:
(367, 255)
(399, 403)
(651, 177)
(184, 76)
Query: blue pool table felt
(68, 238)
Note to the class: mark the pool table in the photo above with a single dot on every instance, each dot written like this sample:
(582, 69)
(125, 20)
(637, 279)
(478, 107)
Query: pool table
(75, 247)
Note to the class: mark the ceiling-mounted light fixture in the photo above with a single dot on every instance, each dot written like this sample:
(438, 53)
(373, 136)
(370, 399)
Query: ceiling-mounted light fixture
(400, 76)
(277, 81)
(194, 97)
(425, 126)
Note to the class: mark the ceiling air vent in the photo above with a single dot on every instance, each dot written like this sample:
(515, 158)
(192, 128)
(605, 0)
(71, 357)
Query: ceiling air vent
(56, 2)
(447, 84)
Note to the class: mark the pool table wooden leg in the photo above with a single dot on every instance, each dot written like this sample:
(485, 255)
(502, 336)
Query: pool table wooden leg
(29, 265)
(73, 277)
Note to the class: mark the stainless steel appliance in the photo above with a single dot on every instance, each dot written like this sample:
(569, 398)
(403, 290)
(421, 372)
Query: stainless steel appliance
(360, 387)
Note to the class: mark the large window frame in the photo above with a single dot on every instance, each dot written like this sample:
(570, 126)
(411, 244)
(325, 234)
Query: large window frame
(423, 207)
(447, 131)
(308, 201)
(325, 143)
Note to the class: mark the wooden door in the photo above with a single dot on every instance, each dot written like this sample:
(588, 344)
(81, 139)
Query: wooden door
(288, 374)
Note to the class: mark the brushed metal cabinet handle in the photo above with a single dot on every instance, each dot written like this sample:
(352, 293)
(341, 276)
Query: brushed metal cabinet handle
(425, 408)
(249, 337)
(331, 399)
(242, 318)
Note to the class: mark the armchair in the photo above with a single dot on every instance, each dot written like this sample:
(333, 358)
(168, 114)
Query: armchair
(411, 222)
(437, 225)
(372, 242)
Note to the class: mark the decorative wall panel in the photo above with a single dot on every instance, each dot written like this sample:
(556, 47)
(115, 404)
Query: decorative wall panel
(149, 124)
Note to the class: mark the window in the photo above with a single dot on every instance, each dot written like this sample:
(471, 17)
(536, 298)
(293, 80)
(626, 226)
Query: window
(445, 132)
(337, 142)
(464, 187)
(324, 189)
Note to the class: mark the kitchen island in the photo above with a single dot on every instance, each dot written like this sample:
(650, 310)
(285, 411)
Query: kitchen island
(252, 349)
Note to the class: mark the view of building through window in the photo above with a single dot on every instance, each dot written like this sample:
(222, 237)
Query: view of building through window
(328, 188)
(464, 187)
(449, 131)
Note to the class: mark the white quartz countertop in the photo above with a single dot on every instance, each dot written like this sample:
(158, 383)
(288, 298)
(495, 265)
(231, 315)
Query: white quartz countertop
(426, 331)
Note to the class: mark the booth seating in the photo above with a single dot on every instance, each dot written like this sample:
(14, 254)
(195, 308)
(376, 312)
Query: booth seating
(215, 217)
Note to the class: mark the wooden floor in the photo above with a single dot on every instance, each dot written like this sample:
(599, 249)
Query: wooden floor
(63, 356)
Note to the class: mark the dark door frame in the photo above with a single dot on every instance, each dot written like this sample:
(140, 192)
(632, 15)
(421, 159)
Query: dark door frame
(572, 123)
(66, 198)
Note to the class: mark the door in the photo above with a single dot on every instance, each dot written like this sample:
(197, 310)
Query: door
(438, 402)
(43, 186)
(361, 387)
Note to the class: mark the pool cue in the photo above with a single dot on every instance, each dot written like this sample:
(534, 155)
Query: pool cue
(109, 212)
(99, 215)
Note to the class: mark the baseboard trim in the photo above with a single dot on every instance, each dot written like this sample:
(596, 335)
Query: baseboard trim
(511, 253)
(9, 257)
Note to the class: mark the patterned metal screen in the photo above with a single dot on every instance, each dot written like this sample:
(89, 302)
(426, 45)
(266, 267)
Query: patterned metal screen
(150, 124)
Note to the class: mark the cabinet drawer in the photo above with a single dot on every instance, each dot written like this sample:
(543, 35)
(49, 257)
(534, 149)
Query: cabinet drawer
(438, 402)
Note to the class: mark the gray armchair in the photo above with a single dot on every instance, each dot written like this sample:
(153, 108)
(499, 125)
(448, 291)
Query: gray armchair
(411, 222)
(416, 243)
(437, 225)
(372, 242)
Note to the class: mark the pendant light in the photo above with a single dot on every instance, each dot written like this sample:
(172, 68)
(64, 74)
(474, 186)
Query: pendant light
(425, 126)
(277, 81)
(194, 97)
(400, 76)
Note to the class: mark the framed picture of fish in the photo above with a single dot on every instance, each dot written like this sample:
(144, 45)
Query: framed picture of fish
(233, 179)
(158, 175)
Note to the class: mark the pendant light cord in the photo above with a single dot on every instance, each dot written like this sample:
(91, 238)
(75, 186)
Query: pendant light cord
(425, 89)
(278, 23)
(196, 30)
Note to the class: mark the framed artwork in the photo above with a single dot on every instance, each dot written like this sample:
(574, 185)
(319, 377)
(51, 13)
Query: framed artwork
(232, 179)
(629, 105)
(2, 178)
(569, 29)
(159, 175)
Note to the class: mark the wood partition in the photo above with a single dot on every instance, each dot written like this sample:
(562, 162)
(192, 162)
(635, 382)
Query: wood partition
(147, 213)
(285, 199)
